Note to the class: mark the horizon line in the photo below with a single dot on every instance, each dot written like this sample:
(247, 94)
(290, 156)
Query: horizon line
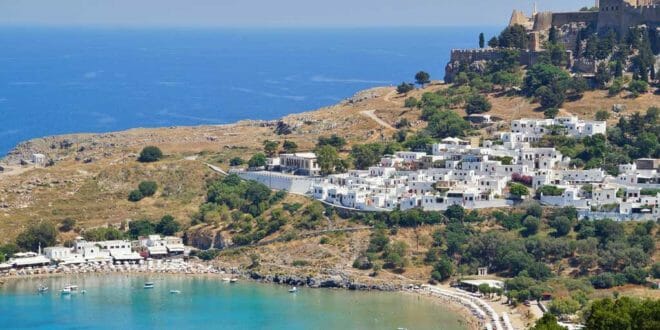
(239, 26)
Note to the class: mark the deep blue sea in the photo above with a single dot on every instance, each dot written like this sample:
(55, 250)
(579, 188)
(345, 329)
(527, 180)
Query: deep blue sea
(121, 302)
(65, 80)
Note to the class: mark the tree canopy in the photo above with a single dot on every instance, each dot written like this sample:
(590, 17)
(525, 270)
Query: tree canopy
(167, 225)
(42, 234)
(150, 154)
(422, 78)
(257, 160)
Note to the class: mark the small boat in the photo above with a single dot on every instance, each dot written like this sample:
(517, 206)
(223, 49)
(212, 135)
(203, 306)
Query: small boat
(83, 291)
(233, 280)
(149, 285)
(175, 291)
(293, 290)
(226, 279)
(69, 289)
(42, 288)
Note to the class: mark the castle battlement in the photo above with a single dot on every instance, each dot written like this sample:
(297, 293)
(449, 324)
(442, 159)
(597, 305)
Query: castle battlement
(617, 15)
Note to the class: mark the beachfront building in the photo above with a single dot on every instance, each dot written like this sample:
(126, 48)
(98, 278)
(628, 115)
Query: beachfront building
(157, 246)
(63, 255)
(105, 251)
(25, 260)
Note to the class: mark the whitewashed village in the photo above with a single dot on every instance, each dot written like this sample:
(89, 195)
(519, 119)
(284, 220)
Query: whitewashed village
(460, 172)
(477, 175)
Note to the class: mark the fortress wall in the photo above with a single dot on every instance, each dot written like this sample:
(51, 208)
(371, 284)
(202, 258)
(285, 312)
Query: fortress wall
(490, 54)
(474, 55)
(543, 21)
(559, 19)
(619, 15)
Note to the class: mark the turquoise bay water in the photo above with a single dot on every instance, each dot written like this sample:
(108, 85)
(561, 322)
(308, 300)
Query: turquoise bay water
(67, 80)
(120, 302)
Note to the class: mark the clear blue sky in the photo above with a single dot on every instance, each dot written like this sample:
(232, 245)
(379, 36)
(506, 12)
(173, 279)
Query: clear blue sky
(289, 13)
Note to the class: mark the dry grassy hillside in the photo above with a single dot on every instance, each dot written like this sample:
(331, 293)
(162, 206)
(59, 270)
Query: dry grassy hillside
(93, 173)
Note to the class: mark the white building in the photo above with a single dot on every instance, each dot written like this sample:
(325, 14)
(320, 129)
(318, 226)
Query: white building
(39, 159)
(159, 247)
(530, 130)
(63, 255)
(303, 163)
(105, 251)
(27, 259)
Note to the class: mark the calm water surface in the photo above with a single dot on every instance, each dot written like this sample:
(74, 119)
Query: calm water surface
(120, 302)
(66, 80)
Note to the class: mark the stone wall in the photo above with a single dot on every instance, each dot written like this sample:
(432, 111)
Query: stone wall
(475, 56)
(587, 17)
(543, 21)
(620, 15)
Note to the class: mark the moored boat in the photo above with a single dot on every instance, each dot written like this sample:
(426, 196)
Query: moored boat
(42, 288)
(233, 280)
(175, 291)
(293, 290)
(149, 285)
(69, 289)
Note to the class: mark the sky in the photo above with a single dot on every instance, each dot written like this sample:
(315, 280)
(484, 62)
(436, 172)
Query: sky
(259, 13)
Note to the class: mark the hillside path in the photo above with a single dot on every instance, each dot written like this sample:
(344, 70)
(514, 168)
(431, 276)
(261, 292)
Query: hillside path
(372, 115)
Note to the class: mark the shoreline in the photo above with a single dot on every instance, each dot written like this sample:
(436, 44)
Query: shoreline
(467, 316)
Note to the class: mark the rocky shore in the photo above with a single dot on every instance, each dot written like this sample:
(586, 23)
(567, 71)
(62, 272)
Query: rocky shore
(333, 281)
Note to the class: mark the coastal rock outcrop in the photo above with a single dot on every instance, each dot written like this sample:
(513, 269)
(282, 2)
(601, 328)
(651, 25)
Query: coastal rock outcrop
(206, 237)
(318, 281)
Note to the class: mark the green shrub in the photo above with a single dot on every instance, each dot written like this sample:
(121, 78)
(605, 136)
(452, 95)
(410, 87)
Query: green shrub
(649, 191)
(150, 154)
(550, 112)
(103, 234)
(300, 263)
(236, 161)
(257, 160)
(135, 195)
(442, 270)
(148, 188)
(410, 102)
(549, 190)
(207, 254)
(404, 88)
(67, 224)
(655, 270)
(608, 280)
(477, 104)
(362, 262)
(637, 87)
(616, 87)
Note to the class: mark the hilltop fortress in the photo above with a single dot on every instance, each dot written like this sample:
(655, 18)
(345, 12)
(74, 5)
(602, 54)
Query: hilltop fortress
(617, 15)
(606, 15)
